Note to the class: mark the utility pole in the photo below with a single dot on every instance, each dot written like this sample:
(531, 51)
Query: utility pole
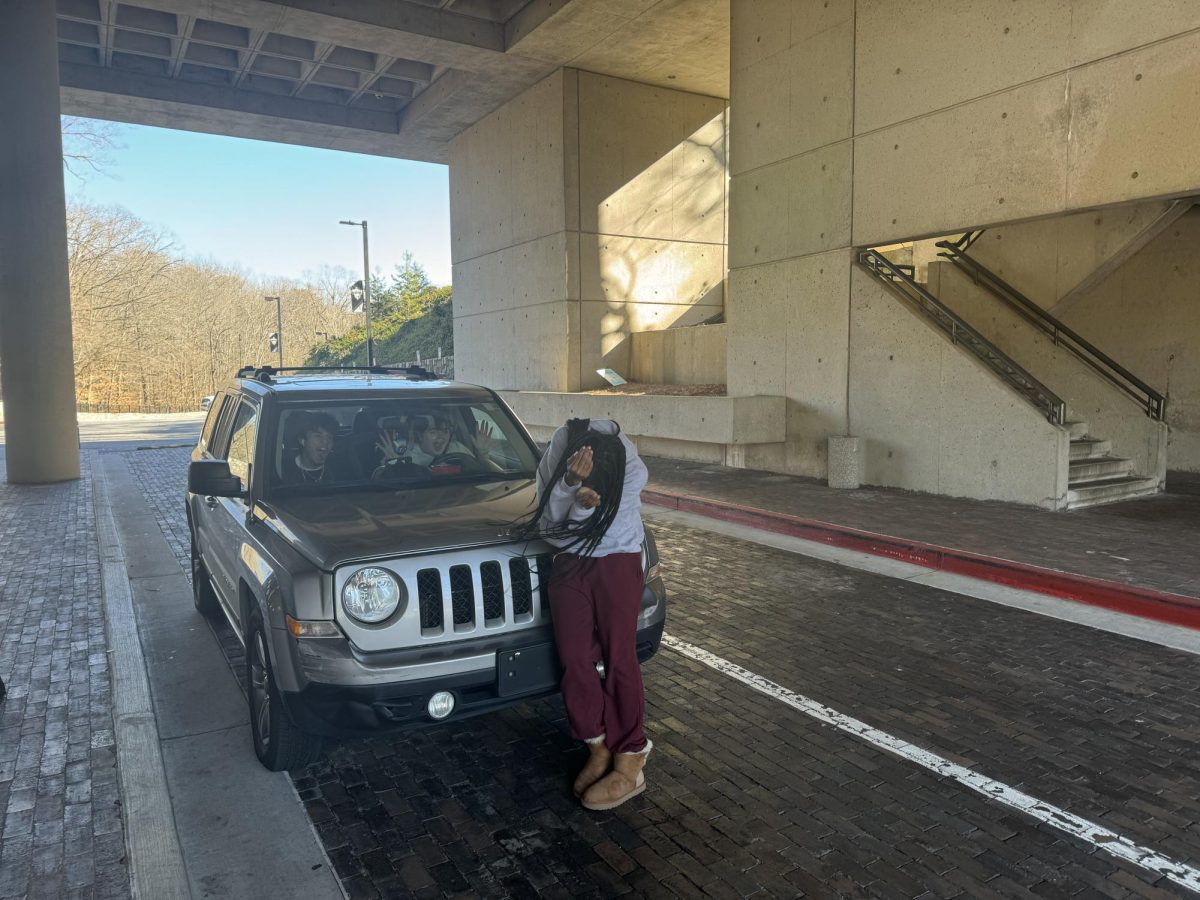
(366, 288)
(278, 326)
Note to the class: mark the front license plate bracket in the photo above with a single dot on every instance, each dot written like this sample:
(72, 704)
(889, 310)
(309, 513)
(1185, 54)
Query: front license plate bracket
(524, 670)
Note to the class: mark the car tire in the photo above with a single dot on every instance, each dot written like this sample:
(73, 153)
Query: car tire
(278, 744)
(204, 596)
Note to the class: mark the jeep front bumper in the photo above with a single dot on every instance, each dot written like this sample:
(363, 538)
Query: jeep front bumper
(340, 691)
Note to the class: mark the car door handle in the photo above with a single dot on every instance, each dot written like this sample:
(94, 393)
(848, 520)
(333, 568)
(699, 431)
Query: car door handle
(210, 502)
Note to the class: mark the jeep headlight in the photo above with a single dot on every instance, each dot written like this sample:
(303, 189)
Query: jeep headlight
(372, 595)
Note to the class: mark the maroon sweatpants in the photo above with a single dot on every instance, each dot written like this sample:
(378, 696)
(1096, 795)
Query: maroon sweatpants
(594, 604)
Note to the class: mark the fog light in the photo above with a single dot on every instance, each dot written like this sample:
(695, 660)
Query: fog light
(441, 705)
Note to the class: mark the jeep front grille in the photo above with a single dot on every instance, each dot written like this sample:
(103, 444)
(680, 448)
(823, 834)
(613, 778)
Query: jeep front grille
(483, 589)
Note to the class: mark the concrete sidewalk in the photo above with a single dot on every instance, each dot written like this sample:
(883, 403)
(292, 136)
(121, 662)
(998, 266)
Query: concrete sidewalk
(1148, 543)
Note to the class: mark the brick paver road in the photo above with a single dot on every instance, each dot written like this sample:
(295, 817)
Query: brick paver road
(751, 798)
(62, 833)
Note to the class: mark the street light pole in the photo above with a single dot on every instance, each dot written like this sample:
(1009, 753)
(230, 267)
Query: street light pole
(278, 326)
(366, 289)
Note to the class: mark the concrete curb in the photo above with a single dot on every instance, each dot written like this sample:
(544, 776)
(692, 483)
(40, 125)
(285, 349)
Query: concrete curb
(1162, 606)
(156, 868)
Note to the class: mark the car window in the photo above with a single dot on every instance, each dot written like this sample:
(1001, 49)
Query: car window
(218, 444)
(210, 422)
(386, 440)
(241, 442)
(501, 448)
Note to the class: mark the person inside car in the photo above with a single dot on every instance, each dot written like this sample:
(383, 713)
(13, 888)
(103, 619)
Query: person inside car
(433, 445)
(314, 461)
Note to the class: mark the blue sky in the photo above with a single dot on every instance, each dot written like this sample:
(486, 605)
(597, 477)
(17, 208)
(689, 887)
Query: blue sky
(274, 208)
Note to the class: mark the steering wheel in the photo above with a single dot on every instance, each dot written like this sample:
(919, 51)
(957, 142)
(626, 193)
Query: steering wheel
(457, 458)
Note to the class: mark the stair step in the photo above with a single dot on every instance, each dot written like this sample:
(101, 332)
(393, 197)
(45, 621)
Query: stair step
(1089, 448)
(1102, 468)
(1109, 491)
(1078, 429)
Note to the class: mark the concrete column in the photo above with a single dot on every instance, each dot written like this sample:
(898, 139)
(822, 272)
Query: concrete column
(36, 358)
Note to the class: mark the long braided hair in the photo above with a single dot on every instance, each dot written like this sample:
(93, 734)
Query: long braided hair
(607, 480)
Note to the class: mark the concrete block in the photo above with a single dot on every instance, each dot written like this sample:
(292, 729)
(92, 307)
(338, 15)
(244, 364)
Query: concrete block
(905, 52)
(793, 208)
(1134, 128)
(845, 462)
(707, 420)
(994, 159)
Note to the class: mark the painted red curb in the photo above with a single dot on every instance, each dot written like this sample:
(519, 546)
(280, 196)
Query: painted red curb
(1162, 606)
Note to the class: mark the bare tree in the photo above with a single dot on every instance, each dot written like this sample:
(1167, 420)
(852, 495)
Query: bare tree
(87, 144)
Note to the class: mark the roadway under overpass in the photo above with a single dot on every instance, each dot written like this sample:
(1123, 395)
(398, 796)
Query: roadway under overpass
(625, 168)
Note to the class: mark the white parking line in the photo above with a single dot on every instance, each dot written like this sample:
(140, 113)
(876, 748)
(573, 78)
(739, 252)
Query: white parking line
(1097, 835)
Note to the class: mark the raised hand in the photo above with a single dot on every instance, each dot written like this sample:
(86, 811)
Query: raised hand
(579, 467)
(386, 445)
(482, 439)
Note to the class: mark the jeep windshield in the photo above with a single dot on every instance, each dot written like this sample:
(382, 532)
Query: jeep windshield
(389, 443)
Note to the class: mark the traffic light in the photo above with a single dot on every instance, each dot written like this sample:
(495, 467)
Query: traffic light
(273, 341)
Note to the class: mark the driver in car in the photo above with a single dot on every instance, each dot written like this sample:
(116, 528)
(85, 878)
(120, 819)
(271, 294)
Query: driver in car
(434, 447)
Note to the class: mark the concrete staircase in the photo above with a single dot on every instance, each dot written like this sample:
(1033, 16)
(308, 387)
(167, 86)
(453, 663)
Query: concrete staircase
(1096, 476)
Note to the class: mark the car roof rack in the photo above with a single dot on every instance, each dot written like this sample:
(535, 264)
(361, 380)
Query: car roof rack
(266, 374)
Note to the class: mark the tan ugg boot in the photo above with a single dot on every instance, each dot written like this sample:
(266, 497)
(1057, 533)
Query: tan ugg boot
(626, 780)
(595, 768)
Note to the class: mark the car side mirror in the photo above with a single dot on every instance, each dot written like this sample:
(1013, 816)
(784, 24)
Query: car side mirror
(212, 478)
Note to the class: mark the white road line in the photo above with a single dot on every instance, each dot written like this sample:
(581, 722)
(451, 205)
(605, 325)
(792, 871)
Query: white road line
(1103, 838)
(1174, 636)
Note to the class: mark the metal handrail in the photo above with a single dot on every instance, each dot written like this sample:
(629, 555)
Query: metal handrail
(900, 282)
(1152, 402)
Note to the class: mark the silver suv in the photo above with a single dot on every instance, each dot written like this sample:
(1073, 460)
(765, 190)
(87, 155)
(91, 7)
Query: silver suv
(354, 527)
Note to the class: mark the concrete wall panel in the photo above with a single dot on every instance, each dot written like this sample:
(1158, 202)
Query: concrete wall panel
(1100, 28)
(908, 53)
(1134, 126)
(934, 420)
(1110, 414)
(694, 355)
(534, 345)
(507, 174)
(643, 150)
(529, 274)
(1047, 258)
(798, 100)
(716, 420)
(636, 270)
(1146, 316)
(793, 208)
(758, 306)
(995, 159)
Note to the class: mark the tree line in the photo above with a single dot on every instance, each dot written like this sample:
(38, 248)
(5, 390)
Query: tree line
(155, 332)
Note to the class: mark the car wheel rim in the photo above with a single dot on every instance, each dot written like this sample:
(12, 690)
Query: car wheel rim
(259, 691)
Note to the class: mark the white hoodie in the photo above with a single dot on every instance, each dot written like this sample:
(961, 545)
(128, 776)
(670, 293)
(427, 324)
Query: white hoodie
(625, 534)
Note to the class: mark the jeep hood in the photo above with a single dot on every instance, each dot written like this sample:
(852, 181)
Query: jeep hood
(332, 529)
